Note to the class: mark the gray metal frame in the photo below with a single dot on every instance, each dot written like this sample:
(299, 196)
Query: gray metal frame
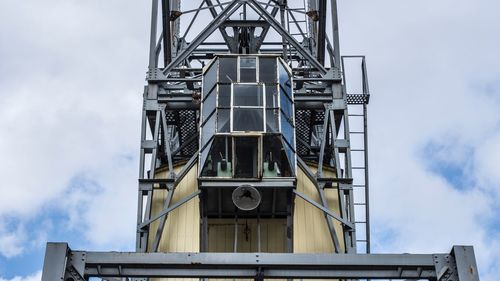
(61, 263)
(169, 138)
(318, 88)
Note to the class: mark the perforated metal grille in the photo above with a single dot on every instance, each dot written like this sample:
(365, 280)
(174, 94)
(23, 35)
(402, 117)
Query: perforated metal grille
(358, 98)
(305, 120)
(303, 130)
(186, 123)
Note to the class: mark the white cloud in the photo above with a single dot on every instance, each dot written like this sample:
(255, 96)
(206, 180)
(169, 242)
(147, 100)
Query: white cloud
(11, 241)
(37, 276)
(72, 77)
(487, 160)
(429, 63)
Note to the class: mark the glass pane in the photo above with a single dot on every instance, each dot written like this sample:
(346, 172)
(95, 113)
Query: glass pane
(272, 125)
(288, 88)
(287, 130)
(247, 62)
(271, 96)
(248, 119)
(275, 160)
(208, 130)
(204, 155)
(224, 95)
(223, 121)
(209, 79)
(228, 69)
(209, 104)
(246, 157)
(267, 70)
(218, 163)
(291, 156)
(247, 95)
(286, 104)
(283, 74)
(248, 69)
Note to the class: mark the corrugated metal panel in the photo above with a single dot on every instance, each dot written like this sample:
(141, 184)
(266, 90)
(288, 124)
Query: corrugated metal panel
(272, 235)
(182, 229)
(310, 230)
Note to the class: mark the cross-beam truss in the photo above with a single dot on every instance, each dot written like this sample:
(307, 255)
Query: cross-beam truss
(169, 136)
(171, 99)
(61, 263)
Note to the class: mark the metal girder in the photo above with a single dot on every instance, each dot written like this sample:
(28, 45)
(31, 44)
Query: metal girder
(335, 27)
(225, 36)
(170, 209)
(167, 36)
(211, 27)
(281, 30)
(324, 209)
(321, 31)
(60, 259)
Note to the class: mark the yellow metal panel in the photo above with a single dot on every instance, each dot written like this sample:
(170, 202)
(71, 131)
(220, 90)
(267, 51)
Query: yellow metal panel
(221, 235)
(182, 229)
(310, 230)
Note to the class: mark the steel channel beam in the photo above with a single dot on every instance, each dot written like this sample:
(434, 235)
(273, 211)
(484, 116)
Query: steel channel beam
(324, 209)
(335, 35)
(167, 44)
(169, 209)
(321, 31)
(248, 265)
(60, 261)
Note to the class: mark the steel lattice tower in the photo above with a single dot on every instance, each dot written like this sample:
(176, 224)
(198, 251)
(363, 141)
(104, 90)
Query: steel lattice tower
(250, 116)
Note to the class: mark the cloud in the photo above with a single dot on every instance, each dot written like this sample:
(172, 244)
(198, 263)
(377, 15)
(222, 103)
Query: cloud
(434, 123)
(11, 241)
(37, 276)
(72, 76)
(72, 79)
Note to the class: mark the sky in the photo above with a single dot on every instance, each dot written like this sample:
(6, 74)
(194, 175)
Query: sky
(71, 81)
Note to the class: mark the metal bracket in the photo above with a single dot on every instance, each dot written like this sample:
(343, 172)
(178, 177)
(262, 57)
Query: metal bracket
(446, 269)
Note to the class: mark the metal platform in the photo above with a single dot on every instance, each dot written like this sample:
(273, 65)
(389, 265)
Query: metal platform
(62, 263)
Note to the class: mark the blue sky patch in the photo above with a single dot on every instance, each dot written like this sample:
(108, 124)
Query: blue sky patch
(450, 160)
(53, 223)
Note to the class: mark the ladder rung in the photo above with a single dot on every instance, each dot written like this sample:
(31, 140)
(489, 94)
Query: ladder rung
(358, 185)
(362, 241)
(356, 132)
(360, 222)
(357, 150)
(359, 115)
(359, 204)
(358, 168)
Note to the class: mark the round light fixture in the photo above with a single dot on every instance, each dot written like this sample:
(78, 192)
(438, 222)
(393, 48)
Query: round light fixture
(246, 197)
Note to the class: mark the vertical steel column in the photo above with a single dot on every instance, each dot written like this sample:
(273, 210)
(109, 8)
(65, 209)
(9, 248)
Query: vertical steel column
(167, 35)
(367, 185)
(320, 42)
(283, 24)
(54, 267)
(335, 37)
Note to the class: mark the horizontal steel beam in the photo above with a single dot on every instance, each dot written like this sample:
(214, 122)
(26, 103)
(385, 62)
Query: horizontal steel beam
(264, 265)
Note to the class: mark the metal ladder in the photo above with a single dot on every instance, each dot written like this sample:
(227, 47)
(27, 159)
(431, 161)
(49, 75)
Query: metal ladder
(361, 184)
(357, 108)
